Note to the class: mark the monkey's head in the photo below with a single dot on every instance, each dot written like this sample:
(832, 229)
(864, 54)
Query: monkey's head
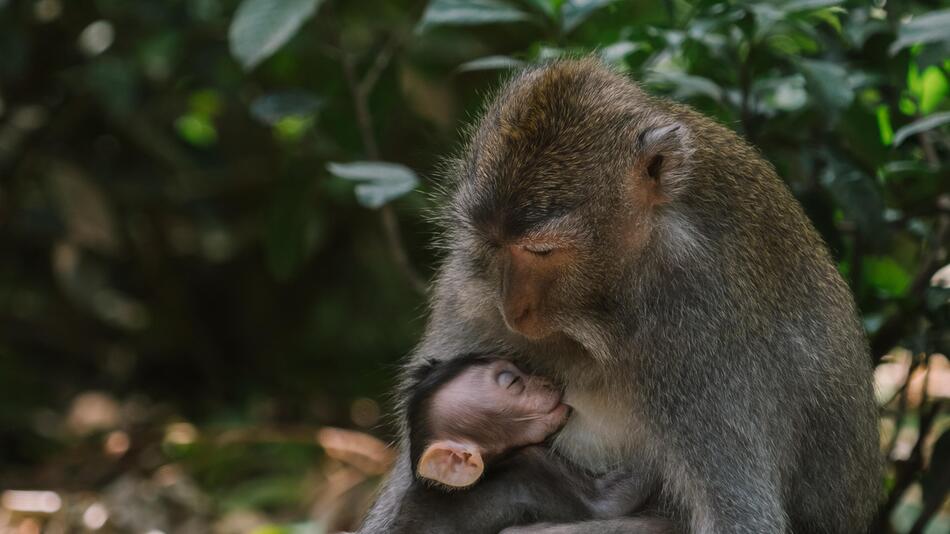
(468, 410)
(560, 193)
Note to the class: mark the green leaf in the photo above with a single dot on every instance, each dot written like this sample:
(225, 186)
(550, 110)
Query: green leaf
(830, 16)
(292, 128)
(927, 28)
(907, 106)
(795, 6)
(381, 182)
(261, 27)
(686, 85)
(858, 197)
(548, 7)
(884, 124)
(196, 129)
(921, 125)
(575, 12)
(491, 63)
(786, 93)
(913, 79)
(614, 54)
(886, 275)
(933, 89)
(271, 109)
(206, 102)
(828, 82)
(470, 13)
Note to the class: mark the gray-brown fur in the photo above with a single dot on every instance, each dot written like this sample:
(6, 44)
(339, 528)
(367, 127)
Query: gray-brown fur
(530, 485)
(707, 336)
(521, 484)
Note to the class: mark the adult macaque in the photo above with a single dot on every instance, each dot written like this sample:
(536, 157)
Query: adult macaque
(474, 423)
(651, 261)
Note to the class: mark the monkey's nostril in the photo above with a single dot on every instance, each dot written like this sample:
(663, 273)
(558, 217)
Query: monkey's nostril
(523, 320)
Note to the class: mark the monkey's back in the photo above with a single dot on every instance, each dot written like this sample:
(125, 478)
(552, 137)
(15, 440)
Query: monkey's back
(805, 348)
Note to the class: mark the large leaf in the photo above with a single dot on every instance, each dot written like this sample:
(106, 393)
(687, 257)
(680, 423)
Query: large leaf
(574, 12)
(614, 54)
(858, 196)
(885, 275)
(261, 27)
(470, 13)
(686, 86)
(491, 63)
(828, 83)
(933, 89)
(928, 28)
(786, 93)
(380, 182)
(547, 7)
(795, 6)
(921, 125)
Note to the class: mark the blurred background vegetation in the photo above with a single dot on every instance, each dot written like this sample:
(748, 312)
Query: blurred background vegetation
(213, 253)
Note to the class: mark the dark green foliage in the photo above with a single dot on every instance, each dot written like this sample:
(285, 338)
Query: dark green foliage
(217, 205)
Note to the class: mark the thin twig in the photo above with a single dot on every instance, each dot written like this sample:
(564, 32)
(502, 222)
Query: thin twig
(364, 120)
(359, 91)
(930, 153)
(746, 116)
(379, 65)
(891, 332)
(908, 470)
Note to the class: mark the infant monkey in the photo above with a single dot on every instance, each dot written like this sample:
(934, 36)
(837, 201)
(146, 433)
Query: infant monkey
(475, 425)
(484, 408)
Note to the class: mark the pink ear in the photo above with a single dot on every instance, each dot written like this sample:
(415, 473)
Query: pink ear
(454, 464)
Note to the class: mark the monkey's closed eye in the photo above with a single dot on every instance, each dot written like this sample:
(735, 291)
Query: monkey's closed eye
(506, 379)
(540, 249)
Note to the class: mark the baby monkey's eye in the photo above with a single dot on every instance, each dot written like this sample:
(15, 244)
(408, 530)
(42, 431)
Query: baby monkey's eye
(506, 379)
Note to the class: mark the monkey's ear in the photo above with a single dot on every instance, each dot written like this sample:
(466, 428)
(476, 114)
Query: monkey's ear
(663, 154)
(451, 463)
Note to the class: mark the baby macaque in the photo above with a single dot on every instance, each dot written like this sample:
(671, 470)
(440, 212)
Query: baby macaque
(488, 408)
(476, 424)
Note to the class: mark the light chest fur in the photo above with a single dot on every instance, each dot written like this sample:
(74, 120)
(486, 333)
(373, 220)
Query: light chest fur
(602, 433)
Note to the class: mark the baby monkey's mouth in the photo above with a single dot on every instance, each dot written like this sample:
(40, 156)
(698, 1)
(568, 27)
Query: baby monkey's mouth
(561, 412)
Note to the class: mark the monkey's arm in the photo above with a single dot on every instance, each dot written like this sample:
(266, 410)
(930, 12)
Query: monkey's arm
(386, 508)
(625, 525)
(447, 333)
(621, 493)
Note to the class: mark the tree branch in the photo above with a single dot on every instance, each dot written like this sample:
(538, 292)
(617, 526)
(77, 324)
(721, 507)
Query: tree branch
(359, 92)
(893, 329)
(379, 65)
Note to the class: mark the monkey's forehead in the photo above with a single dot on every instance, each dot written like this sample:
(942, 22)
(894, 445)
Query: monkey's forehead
(551, 141)
(579, 97)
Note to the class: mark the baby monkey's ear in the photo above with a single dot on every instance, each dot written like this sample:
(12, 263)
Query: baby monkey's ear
(451, 463)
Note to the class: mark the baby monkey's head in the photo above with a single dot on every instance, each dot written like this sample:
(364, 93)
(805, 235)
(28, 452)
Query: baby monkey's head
(468, 410)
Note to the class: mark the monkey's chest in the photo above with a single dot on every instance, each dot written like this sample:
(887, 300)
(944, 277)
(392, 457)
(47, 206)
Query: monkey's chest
(603, 432)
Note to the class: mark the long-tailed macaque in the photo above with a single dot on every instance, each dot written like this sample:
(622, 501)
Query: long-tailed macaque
(475, 428)
(651, 261)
